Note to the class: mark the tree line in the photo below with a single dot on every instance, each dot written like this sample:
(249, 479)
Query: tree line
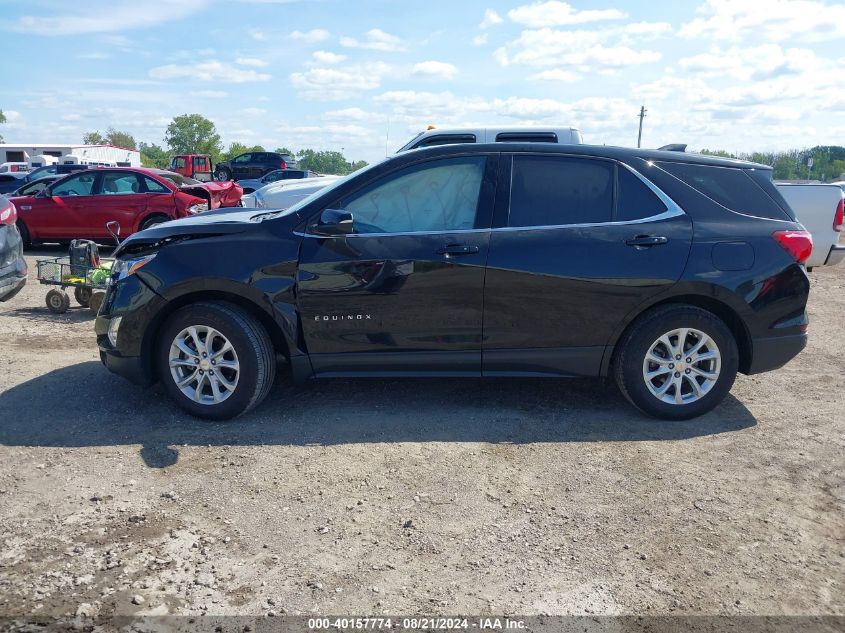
(194, 134)
(822, 162)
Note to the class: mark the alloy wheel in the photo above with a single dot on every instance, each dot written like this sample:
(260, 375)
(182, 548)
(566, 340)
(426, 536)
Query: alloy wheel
(682, 366)
(204, 365)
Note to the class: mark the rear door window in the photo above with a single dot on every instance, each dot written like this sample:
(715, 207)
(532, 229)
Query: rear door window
(730, 187)
(119, 183)
(634, 200)
(558, 190)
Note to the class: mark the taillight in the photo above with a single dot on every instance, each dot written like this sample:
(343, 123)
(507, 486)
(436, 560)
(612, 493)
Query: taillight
(284, 165)
(8, 215)
(839, 217)
(799, 244)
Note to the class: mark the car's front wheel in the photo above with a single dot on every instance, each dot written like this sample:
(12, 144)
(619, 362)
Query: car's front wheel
(215, 360)
(677, 362)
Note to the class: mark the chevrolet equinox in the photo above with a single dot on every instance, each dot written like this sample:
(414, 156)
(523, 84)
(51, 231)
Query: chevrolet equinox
(669, 272)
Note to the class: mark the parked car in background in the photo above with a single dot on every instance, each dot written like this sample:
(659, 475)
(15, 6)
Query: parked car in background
(13, 167)
(285, 193)
(196, 166)
(253, 165)
(12, 264)
(80, 205)
(251, 184)
(513, 134)
(486, 260)
(33, 187)
(820, 208)
(11, 181)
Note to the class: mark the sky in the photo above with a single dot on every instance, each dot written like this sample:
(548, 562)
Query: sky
(364, 76)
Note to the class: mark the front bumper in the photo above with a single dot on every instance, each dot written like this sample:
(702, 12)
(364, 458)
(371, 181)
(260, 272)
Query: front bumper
(836, 255)
(774, 352)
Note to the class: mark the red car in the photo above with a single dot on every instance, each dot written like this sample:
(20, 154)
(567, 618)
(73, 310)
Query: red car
(80, 205)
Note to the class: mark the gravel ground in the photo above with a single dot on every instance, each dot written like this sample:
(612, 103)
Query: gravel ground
(401, 497)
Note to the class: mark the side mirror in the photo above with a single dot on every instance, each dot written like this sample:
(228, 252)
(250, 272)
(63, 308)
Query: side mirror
(334, 222)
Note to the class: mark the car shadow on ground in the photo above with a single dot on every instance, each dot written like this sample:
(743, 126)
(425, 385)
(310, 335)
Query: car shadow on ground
(75, 314)
(83, 405)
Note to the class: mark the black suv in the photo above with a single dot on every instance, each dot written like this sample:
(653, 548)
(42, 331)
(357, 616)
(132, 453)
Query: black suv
(253, 165)
(669, 272)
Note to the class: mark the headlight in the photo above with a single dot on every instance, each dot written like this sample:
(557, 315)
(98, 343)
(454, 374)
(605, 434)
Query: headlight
(114, 326)
(198, 208)
(122, 268)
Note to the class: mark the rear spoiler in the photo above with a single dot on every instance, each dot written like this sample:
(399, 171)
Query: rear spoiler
(673, 147)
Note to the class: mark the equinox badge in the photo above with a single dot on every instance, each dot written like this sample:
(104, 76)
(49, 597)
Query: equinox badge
(343, 317)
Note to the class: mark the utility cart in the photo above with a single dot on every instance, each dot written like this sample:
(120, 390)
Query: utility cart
(88, 282)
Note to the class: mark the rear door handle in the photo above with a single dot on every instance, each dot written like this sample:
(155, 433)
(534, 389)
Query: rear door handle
(457, 249)
(646, 241)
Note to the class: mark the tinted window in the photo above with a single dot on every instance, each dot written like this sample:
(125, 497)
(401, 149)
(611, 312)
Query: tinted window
(445, 139)
(526, 137)
(243, 158)
(729, 186)
(634, 199)
(80, 185)
(439, 195)
(155, 187)
(119, 183)
(552, 190)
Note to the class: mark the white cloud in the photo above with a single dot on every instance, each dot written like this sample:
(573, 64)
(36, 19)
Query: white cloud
(479, 40)
(772, 20)
(100, 16)
(375, 39)
(585, 50)
(254, 111)
(555, 74)
(210, 94)
(756, 62)
(442, 70)
(251, 61)
(491, 18)
(327, 57)
(333, 84)
(556, 13)
(257, 34)
(312, 36)
(212, 70)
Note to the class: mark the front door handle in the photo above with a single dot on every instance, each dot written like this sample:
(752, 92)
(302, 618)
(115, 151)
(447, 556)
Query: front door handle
(647, 241)
(457, 249)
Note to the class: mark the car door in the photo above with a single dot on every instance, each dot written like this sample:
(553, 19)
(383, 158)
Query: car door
(241, 166)
(59, 212)
(584, 243)
(120, 196)
(403, 293)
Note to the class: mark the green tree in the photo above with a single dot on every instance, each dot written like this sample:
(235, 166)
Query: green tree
(120, 139)
(236, 149)
(326, 162)
(193, 134)
(93, 138)
(153, 155)
(285, 150)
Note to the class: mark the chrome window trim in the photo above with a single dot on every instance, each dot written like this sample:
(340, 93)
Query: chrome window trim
(672, 211)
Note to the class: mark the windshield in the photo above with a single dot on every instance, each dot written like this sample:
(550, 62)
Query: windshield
(320, 192)
(178, 179)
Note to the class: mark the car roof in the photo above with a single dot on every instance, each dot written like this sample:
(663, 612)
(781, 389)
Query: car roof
(598, 151)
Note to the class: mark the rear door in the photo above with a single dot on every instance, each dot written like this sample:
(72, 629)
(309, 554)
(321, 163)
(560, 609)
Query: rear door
(584, 243)
(403, 293)
(119, 196)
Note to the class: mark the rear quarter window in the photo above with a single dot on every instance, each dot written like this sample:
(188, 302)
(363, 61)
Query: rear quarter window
(635, 201)
(734, 188)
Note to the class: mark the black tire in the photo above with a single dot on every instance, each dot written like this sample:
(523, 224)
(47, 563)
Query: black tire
(251, 343)
(223, 173)
(26, 240)
(153, 220)
(57, 301)
(637, 342)
(82, 296)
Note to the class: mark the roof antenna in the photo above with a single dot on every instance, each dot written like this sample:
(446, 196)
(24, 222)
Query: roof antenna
(642, 116)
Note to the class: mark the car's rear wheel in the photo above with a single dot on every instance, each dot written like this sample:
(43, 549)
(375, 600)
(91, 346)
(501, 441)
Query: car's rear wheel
(215, 360)
(677, 362)
(223, 173)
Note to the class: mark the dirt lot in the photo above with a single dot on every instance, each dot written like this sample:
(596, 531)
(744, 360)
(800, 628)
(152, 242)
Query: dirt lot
(432, 497)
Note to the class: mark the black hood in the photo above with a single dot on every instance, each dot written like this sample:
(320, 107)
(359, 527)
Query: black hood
(206, 224)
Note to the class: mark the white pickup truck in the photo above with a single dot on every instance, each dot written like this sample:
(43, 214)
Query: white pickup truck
(820, 208)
